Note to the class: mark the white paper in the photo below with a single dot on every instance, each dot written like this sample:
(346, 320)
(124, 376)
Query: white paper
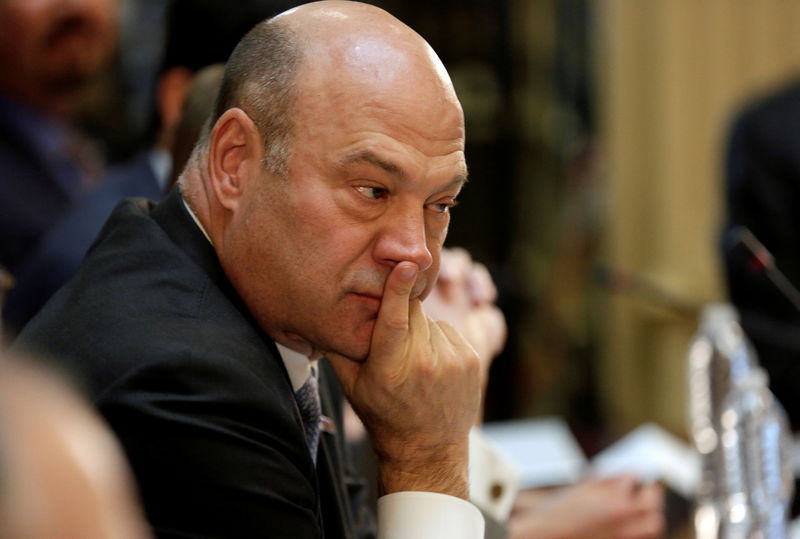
(652, 454)
(544, 450)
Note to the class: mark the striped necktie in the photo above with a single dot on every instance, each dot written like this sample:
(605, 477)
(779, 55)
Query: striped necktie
(311, 412)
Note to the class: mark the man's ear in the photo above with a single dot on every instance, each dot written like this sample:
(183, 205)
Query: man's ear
(236, 151)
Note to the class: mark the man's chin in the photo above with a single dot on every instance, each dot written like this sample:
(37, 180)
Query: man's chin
(355, 351)
(355, 343)
(358, 354)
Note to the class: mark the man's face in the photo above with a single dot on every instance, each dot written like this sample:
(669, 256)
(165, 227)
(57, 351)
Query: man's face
(52, 47)
(372, 176)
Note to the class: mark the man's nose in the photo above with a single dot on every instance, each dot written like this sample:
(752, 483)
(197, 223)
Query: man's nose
(403, 238)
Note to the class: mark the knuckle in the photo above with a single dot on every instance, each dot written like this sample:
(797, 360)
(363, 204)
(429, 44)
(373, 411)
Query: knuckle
(470, 361)
(427, 366)
(398, 322)
(460, 254)
(463, 365)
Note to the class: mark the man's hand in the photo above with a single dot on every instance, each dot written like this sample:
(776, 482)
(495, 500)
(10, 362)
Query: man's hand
(617, 507)
(418, 393)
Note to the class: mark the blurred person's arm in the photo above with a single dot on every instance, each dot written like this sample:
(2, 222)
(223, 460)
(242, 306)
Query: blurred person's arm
(618, 507)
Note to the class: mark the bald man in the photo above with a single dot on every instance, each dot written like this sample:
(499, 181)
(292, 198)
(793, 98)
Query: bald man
(308, 222)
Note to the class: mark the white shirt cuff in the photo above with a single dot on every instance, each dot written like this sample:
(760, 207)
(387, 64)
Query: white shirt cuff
(427, 515)
(493, 478)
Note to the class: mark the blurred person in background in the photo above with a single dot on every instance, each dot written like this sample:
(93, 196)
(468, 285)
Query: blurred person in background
(197, 107)
(149, 174)
(50, 51)
(62, 473)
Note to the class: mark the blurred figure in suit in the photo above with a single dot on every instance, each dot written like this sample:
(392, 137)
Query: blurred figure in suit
(762, 190)
(56, 256)
(197, 108)
(50, 50)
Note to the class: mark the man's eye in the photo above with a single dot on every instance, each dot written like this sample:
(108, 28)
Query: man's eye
(443, 207)
(374, 193)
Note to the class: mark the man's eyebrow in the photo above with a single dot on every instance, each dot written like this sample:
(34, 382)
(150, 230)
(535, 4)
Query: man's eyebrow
(459, 179)
(369, 157)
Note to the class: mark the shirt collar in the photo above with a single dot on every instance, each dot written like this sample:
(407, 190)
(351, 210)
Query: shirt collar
(297, 365)
(196, 220)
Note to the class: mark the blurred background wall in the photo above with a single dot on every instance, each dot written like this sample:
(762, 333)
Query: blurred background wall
(669, 75)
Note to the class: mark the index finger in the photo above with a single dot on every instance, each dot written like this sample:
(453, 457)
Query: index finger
(391, 326)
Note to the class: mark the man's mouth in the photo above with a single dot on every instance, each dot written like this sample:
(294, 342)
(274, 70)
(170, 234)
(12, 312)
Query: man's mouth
(367, 295)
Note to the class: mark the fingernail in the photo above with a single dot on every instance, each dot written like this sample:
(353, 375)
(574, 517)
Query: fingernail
(408, 271)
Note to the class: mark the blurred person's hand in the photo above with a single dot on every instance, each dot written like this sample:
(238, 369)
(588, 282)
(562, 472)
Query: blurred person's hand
(464, 297)
(618, 508)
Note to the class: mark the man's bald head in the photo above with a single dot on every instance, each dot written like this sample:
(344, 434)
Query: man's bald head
(343, 39)
(330, 44)
(259, 78)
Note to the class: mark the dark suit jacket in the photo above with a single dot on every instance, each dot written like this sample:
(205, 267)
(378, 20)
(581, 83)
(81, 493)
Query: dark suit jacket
(762, 182)
(58, 253)
(195, 391)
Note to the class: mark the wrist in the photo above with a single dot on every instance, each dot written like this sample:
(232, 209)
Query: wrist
(443, 469)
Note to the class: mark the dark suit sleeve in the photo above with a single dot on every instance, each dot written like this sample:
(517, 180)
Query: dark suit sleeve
(203, 473)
